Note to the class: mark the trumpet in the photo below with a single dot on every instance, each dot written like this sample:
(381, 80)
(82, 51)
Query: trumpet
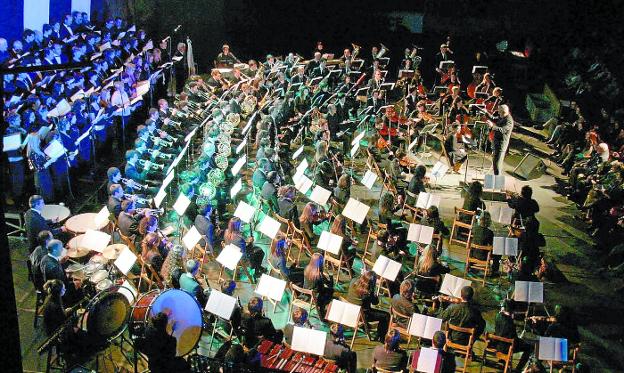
(158, 154)
(158, 141)
(132, 184)
(382, 52)
(137, 199)
(167, 136)
(148, 164)
(159, 211)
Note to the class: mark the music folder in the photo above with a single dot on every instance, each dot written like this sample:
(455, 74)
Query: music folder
(125, 260)
(191, 238)
(420, 233)
(269, 226)
(181, 204)
(271, 287)
(369, 179)
(426, 200)
(309, 340)
(452, 285)
(238, 185)
(102, 217)
(424, 326)
(320, 195)
(427, 360)
(239, 164)
(529, 291)
(494, 182)
(230, 256)
(297, 153)
(221, 305)
(330, 242)
(507, 246)
(244, 212)
(439, 170)
(303, 183)
(502, 214)
(552, 349)
(387, 268)
(344, 313)
(355, 210)
(12, 142)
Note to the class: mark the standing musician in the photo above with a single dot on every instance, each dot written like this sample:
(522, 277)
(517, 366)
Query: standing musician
(445, 54)
(487, 85)
(457, 149)
(225, 58)
(502, 126)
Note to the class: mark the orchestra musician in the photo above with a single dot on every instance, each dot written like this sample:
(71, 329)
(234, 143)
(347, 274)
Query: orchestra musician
(487, 85)
(225, 58)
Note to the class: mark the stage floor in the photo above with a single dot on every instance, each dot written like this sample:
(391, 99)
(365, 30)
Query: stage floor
(568, 245)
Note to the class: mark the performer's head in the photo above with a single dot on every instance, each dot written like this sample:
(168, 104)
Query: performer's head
(503, 110)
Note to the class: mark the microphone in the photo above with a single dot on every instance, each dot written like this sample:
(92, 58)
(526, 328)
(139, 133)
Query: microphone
(177, 28)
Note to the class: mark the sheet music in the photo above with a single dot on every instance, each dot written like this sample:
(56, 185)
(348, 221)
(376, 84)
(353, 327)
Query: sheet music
(439, 170)
(269, 226)
(241, 146)
(191, 238)
(244, 211)
(494, 182)
(309, 340)
(238, 185)
(369, 179)
(303, 184)
(12, 142)
(271, 287)
(387, 268)
(452, 285)
(160, 196)
(320, 195)
(426, 200)
(330, 242)
(297, 153)
(355, 210)
(230, 256)
(529, 291)
(354, 150)
(302, 166)
(181, 204)
(239, 164)
(125, 260)
(424, 326)
(420, 233)
(344, 313)
(427, 360)
(220, 304)
(553, 349)
(502, 214)
(95, 240)
(168, 179)
(505, 246)
(55, 149)
(358, 138)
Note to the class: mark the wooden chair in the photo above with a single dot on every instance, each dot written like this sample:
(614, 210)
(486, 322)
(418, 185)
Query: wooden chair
(415, 211)
(462, 231)
(338, 265)
(128, 240)
(300, 240)
(458, 348)
(490, 350)
(381, 283)
(302, 298)
(482, 265)
(571, 363)
(287, 223)
(361, 322)
(370, 241)
(400, 322)
(381, 370)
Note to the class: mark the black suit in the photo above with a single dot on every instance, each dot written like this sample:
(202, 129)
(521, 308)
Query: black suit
(114, 205)
(35, 223)
(257, 327)
(51, 269)
(127, 224)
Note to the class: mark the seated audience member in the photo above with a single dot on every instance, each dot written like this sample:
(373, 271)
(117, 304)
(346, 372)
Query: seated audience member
(35, 223)
(464, 314)
(362, 293)
(315, 280)
(160, 347)
(300, 319)
(337, 349)
(389, 356)
(256, 327)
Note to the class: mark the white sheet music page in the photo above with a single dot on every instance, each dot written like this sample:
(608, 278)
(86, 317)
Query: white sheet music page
(244, 211)
(439, 170)
(220, 304)
(309, 340)
(269, 226)
(344, 313)
(387, 268)
(239, 164)
(191, 238)
(452, 285)
(427, 360)
(271, 287)
(355, 210)
(125, 260)
(230, 256)
(12, 142)
(101, 217)
(369, 179)
(420, 233)
(330, 242)
(181, 204)
(320, 195)
(303, 184)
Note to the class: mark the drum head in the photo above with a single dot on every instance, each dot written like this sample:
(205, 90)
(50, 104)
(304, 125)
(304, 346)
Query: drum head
(98, 276)
(103, 285)
(108, 314)
(186, 313)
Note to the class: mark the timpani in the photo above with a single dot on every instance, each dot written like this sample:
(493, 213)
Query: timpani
(56, 213)
(81, 223)
(111, 252)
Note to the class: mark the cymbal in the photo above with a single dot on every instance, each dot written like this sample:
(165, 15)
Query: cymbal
(111, 252)
(77, 252)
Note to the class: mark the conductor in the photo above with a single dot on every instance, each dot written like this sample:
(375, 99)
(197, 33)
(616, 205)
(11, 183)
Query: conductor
(502, 128)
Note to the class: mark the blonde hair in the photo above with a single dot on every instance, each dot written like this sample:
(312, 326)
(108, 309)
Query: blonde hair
(307, 213)
(428, 261)
(313, 270)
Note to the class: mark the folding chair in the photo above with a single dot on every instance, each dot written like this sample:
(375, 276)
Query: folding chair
(571, 363)
(490, 350)
(473, 262)
(464, 350)
(462, 230)
(400, 322)
(300, 240)
(339, 265)
(302, 298)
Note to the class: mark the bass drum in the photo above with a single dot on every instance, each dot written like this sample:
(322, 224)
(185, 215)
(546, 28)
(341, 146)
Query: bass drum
(106, 315)
(183, 310)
